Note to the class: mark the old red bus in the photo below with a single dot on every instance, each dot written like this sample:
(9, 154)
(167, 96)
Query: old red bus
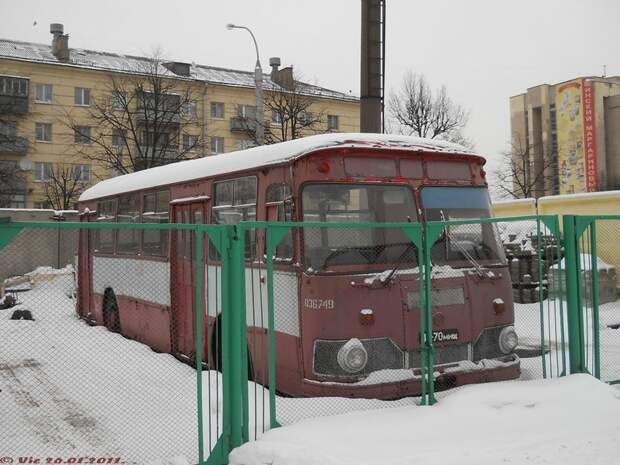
(348, 319)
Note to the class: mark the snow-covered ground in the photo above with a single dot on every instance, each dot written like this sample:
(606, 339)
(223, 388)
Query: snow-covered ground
(568, 421)
(71, 390)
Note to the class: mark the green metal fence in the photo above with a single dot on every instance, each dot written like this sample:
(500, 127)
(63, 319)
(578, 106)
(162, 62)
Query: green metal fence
(245, 348)
(592, 258)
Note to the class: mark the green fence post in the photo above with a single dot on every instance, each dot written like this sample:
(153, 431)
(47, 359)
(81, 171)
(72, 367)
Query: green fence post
(199, 293)
(575, 333)
(238, 340)
(274, 236)
(415, 235)
(596, 337)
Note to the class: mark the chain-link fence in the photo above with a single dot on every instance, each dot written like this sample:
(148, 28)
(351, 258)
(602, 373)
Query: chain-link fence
(349, 316)
(597, 257)
(98, 359)
(143, 342)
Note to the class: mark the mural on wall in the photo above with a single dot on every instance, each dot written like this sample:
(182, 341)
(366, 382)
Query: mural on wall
(569, 119)
(574, 104)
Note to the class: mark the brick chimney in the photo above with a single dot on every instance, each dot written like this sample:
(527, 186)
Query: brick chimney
(60, 42)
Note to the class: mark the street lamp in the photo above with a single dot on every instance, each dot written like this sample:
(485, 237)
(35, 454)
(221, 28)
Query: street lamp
(258, 80)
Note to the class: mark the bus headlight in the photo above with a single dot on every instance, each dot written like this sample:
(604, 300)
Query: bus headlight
(508, 340)
(352, 357)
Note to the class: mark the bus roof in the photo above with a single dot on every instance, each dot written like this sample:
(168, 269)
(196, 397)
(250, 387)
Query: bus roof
(256, 157)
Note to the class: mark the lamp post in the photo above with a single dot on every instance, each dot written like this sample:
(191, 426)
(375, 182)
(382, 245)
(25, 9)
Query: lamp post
(258, 80)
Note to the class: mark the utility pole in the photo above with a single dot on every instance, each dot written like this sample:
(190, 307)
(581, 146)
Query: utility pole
(372, 66)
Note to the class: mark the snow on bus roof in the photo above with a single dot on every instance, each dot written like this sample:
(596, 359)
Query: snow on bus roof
(259, 156)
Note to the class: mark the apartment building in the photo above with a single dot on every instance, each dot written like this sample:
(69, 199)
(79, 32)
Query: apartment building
(47, 94)
(568, 135)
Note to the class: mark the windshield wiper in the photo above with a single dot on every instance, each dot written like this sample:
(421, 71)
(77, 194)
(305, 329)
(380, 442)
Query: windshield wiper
(462, 249)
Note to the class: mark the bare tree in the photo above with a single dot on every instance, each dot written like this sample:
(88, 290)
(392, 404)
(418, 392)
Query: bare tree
(288, 115)
(145, 119)
(11, 182)
(517, 176)
(64, 185)
(418, 110)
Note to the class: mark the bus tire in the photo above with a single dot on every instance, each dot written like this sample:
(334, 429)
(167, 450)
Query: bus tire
(216, 348)
(111, 317)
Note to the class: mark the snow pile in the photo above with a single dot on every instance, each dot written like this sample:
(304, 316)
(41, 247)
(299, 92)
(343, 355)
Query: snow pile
(568, 421)
(585, 259)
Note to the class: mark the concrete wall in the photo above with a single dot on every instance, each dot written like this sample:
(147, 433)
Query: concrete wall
(32, 247)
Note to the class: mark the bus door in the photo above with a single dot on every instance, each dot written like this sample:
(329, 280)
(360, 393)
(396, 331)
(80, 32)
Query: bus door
(84, 272)
(183, 273)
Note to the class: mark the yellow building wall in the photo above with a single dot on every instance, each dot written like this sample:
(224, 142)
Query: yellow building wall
(595, 203)
(62, 149)
(520, 207)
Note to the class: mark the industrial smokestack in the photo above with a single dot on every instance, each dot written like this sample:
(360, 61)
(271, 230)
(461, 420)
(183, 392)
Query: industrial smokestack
(60, 42)
(372, 65)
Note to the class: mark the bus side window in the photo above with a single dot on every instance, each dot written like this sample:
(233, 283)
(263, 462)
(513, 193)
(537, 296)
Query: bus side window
(280, 208)
(155, 210)
(128, 240)
(104, 238)
(235, 201)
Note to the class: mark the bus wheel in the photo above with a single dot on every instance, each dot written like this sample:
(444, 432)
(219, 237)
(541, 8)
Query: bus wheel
(216, 348)
(111, 318)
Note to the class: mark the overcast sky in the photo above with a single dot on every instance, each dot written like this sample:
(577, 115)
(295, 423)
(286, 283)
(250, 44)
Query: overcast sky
(483, 50)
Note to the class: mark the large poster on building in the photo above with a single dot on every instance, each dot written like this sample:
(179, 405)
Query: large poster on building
(569, 121)
(589, 136)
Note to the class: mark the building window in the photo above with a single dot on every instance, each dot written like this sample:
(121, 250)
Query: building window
(43, 205)
(189, 109)
(244, 144)
(13, 86)
(333, 122)
(43, 132)
(158, 139)
(276, 117)
(42, 171)
(155, 210)
(82, 135)
(246, 111)
(190, 142)
(82, 96)
(217, 110)
(118, 138)
(43, 93)
(82, 173)
(119, 100)
(217, 145)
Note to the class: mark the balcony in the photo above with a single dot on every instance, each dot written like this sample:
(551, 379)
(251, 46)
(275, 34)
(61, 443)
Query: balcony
(163, 117)
(13, 105)
(14, 145)
(244, 124)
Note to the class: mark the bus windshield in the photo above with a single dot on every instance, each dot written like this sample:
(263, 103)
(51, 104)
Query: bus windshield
(463, 245)
(357, 203)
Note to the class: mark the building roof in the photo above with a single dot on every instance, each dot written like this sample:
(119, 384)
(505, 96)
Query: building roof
(264, 155)
(116, 62)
